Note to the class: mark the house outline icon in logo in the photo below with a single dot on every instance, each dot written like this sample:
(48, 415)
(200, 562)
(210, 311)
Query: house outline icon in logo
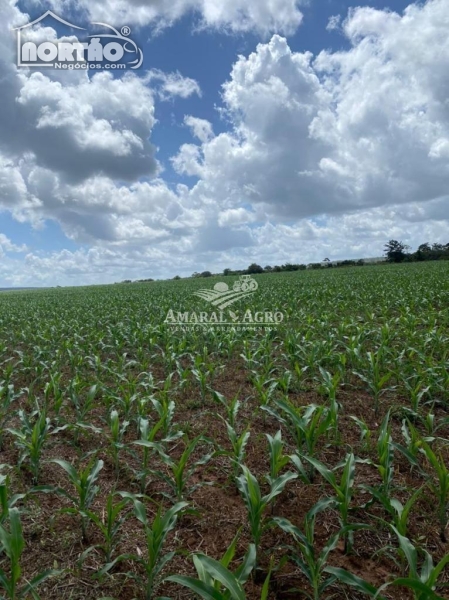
(49, 13)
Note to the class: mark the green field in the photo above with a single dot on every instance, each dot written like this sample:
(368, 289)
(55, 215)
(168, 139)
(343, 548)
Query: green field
(310, 459)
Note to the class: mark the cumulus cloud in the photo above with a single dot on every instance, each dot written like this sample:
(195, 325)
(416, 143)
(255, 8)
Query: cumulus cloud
(235, 216)
(76, 126)
(200, 128)
(171, 85)
(211, 247)
(340, 132)
(333, 23)
(7, 246)
(327, 155)
(263, 16)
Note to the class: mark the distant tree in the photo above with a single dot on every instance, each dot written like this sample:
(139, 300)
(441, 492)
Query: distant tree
(277, 269)
(395, 251)
(268, 269)
(206, 274)
(227, 272)
(437, 247)
(176, 278)
(252, 269)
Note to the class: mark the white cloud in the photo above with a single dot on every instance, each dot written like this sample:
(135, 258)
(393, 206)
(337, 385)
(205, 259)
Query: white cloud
(333, 23)
(263, 16)
(171, 85)
(324, 156)
(201, 128)
(7, 246)
(235, 216)
(348, 130)
(361, 234)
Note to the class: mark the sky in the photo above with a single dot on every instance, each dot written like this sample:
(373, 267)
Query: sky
(267, 131)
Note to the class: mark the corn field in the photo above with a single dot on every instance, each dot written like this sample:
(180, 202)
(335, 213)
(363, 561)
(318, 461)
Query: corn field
(308, 460)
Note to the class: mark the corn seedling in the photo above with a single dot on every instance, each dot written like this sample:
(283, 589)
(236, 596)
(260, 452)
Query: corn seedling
(215, 580)
(12, 544)
(304, 554)
(422, 581)
(7, 399)
(278, 460)
(343, 492)
(117, 432)
(238, 445)
(30, 440)
(109, 524)
(180, 472)
(155, 536)
(255, 503)
(305, 424)
(374, 376)
(85, 483)
(440, 487)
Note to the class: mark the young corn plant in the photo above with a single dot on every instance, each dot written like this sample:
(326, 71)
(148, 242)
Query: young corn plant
(374, 376)
(81, 403)
(180, 472)
(149, 445)
(165, 409)
(416, 390)
(422, 581)
(304, 554)
(238, 445)
(231, 407)
(305, 424)
(329, 386)
(215, 580)
(54, 395)
(85, 483)
(31, 439)
(155, 536)
(12, 543)
(7, 399)
(343, 492)
(440, 487)
(7, 502)
(109, 526)
(265, 387)
(365, 433)
(256, 504)
(117, 432)
(385, 449)
(278, 460)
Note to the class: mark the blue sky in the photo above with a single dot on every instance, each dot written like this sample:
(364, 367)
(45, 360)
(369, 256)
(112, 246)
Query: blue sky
(301, 155)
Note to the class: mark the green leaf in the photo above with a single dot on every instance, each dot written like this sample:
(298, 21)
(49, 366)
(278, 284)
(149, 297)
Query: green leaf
(354, 581)
(244, 571)
(220, 573)
(68, 468)
(207, 592)
(413, 584)
(29, 587)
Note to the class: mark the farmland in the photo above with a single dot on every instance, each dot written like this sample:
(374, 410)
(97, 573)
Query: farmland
(306, 460)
